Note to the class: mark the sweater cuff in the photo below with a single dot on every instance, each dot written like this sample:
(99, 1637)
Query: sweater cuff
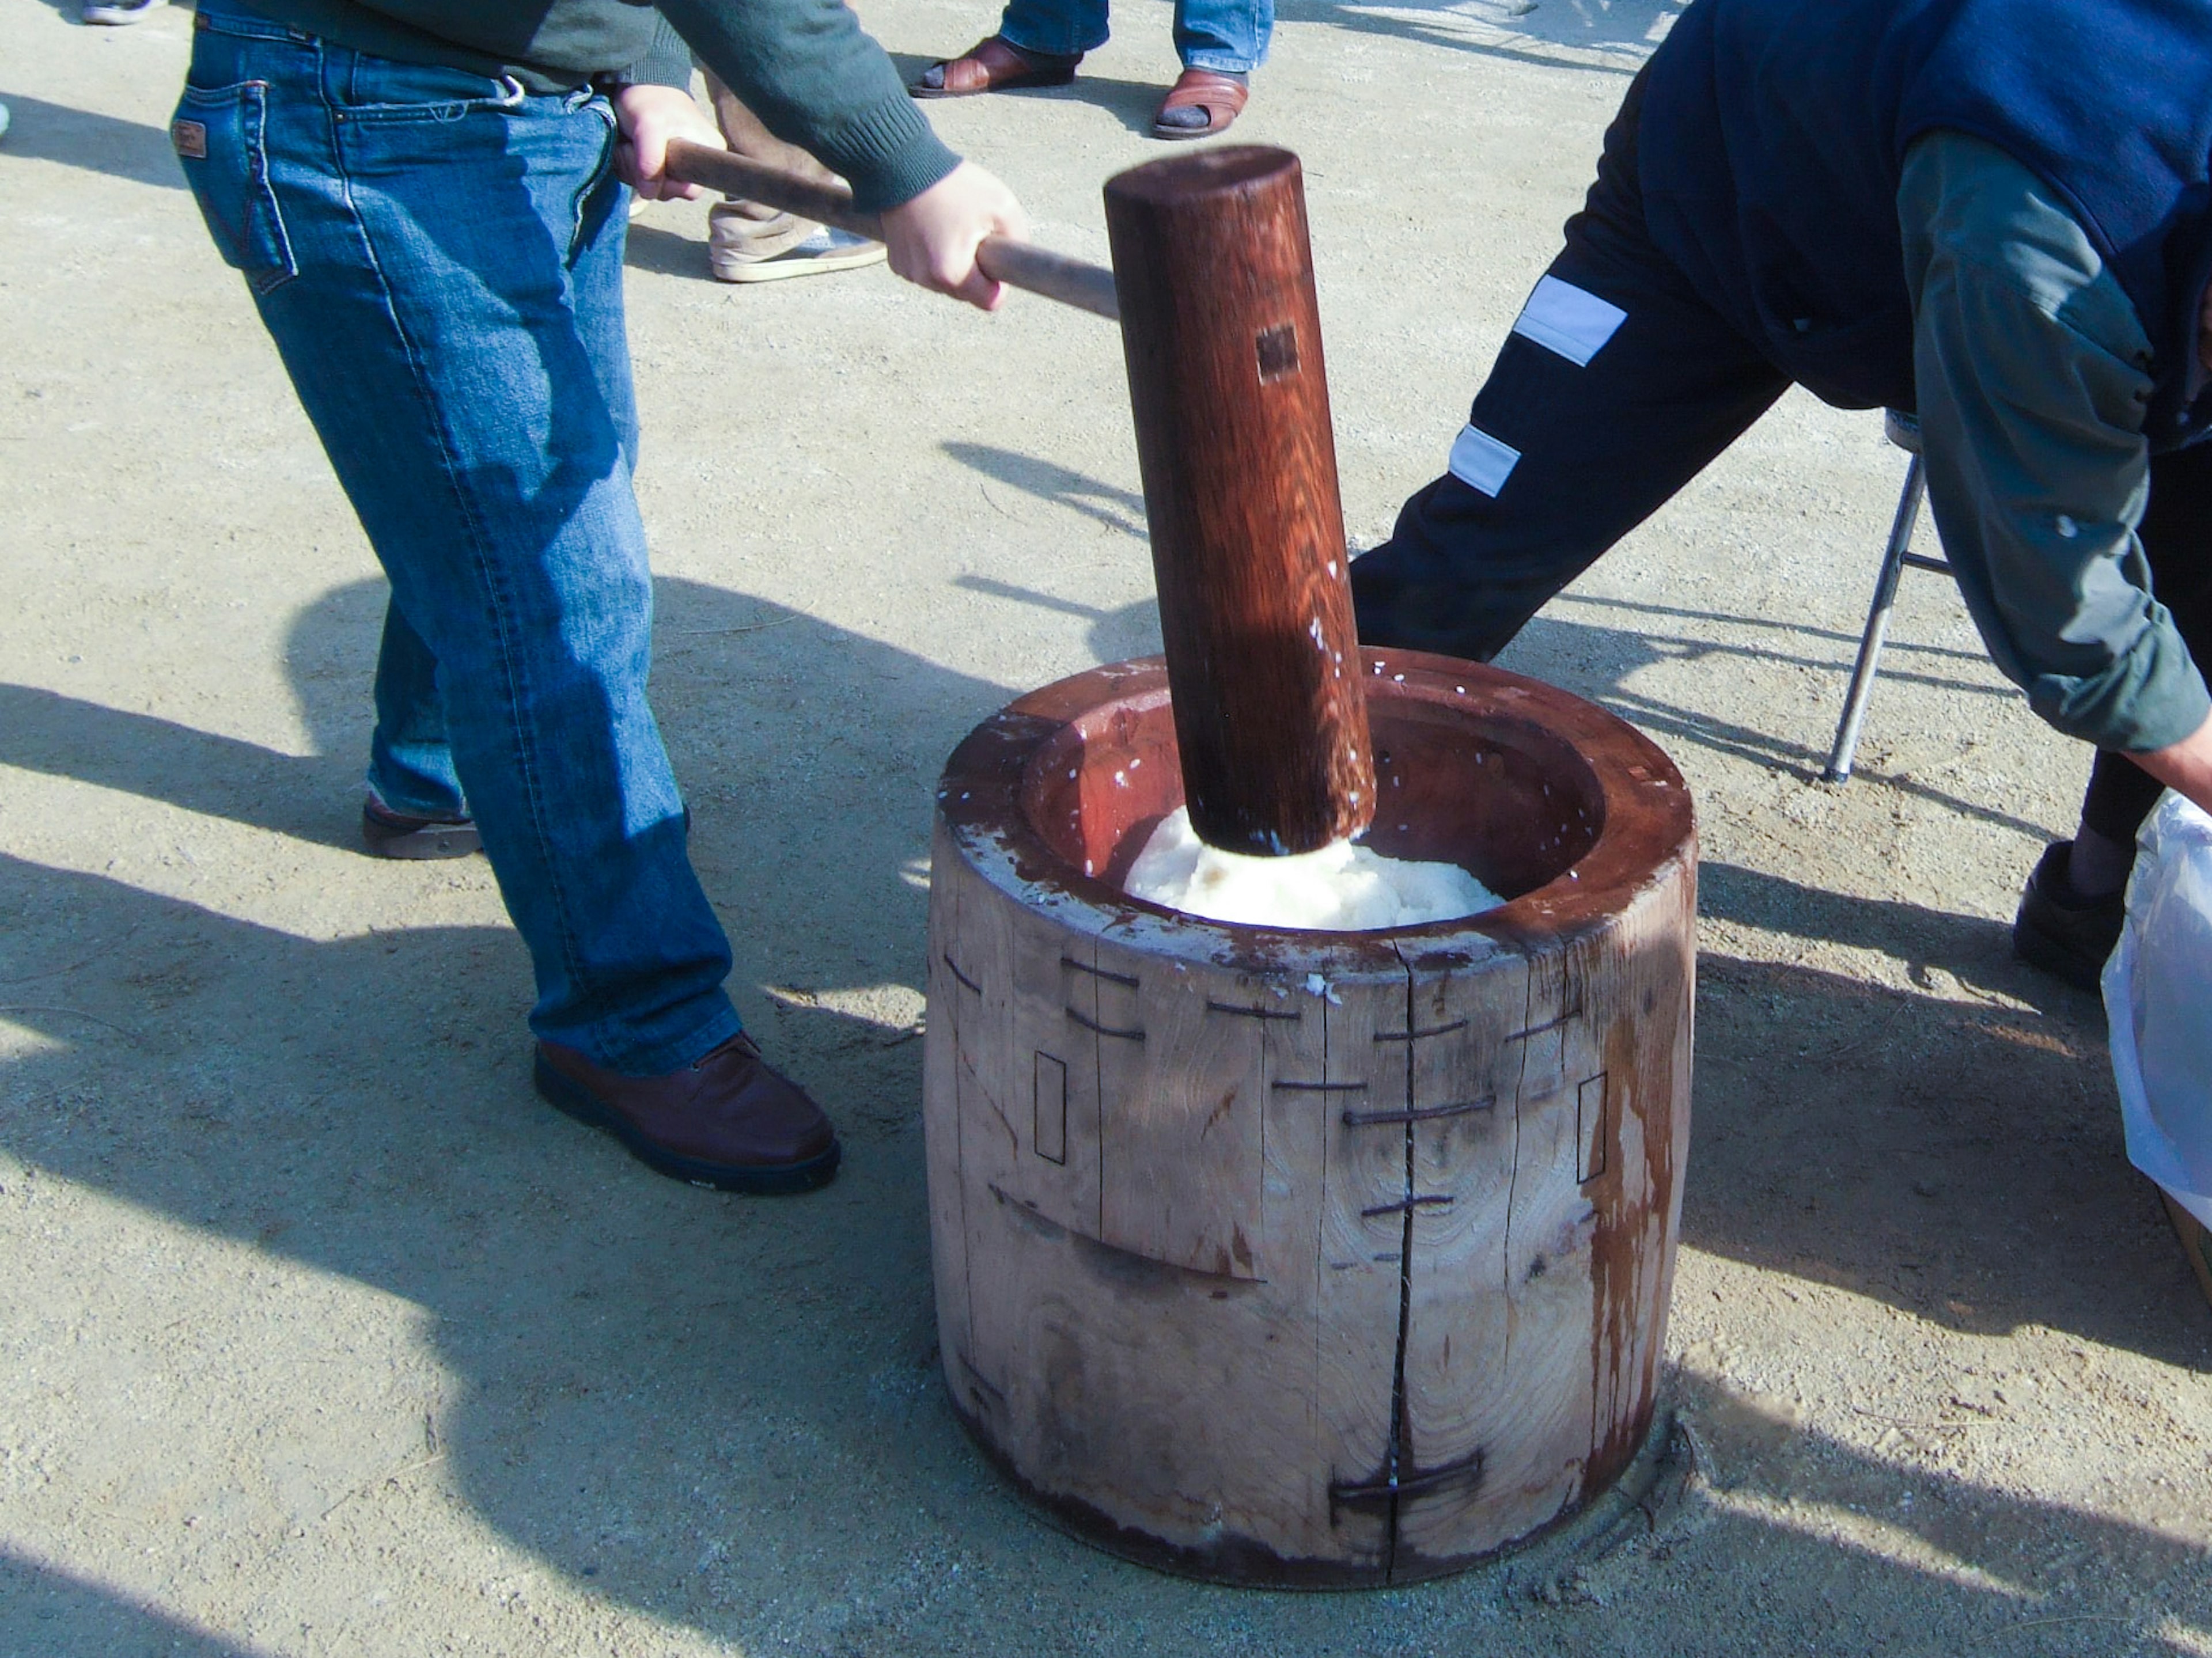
(2168, 706)
(889, 154)
(667, 63)
(2151, 696)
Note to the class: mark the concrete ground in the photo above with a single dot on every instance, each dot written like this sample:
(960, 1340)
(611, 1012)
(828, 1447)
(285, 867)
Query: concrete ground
(320, 1335)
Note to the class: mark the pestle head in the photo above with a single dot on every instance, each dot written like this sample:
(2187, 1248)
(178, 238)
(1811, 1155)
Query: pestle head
(1221, 333)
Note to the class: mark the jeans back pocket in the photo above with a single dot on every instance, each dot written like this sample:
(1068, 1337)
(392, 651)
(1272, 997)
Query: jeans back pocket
(218, 136)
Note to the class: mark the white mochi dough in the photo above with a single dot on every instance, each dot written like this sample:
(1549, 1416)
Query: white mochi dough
(1342, 888)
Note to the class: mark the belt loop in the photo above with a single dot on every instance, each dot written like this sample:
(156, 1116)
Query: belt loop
(512, 92)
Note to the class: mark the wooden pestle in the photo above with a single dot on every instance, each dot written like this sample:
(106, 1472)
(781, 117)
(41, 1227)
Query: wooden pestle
(1222, 335)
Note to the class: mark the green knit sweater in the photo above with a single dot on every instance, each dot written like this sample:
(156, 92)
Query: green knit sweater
(803, 66)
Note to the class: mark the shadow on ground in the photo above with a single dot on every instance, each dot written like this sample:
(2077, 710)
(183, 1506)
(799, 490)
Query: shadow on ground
(666, 252)
(727, 1413)
(43, 131)
(46, 1611)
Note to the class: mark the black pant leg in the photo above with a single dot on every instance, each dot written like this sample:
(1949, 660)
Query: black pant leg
(2177, 538)
(1568, 447)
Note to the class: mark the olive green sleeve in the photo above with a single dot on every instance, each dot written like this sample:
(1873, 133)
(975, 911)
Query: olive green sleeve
(2033, 376)
(807, 69)
(803, 66)
(667, 61)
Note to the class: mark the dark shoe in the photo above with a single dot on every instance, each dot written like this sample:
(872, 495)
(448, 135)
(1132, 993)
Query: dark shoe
(992, 65)
(389, 833)
(1201, 103)
(2058, 930)
(729, 1120)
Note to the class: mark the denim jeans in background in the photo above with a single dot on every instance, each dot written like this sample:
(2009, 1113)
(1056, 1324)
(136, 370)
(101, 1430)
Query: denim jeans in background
(1228, 35)
(439, 258)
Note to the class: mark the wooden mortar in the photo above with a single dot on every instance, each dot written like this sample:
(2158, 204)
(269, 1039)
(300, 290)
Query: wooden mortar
(1301, 1258)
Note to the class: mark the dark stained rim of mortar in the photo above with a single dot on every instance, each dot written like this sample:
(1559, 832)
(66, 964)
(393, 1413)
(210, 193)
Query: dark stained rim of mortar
(1648, 822)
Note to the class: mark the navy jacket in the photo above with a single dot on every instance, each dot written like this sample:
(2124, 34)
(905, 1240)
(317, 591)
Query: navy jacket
(1774, 134)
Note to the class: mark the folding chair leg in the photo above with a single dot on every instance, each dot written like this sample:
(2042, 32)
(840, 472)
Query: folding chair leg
(1877, 626)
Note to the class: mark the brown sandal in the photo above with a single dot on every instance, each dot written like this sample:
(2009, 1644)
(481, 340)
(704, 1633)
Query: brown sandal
(992, 65)
(1221, 96)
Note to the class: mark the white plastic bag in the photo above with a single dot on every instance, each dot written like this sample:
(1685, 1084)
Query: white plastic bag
(2158, 1003)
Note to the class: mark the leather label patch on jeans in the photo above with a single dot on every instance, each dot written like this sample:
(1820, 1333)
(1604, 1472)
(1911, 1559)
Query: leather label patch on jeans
(190, 138)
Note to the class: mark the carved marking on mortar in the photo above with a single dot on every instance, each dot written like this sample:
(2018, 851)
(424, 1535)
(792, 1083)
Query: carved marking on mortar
(1416, 1036)
(1407, 1205)
(1096, 972)
(1427, 1113)
(1291, 1017)
(1590, 1128)
(981, 1390)
(1381, 1493)
(1051, 1125)
(1132, 1033)
(953, 968)
(1318, 1088)
(1564, 1019)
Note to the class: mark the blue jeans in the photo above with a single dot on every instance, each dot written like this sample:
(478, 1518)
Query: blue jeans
(439, 258)
(1229, 35)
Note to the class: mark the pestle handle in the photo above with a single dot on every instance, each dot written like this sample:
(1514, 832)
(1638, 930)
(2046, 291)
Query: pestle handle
(1017, 264)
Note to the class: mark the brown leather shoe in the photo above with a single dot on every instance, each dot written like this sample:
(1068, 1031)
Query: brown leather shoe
(1200, 103)
(389, 833)
(729, 1120)
(993, 65)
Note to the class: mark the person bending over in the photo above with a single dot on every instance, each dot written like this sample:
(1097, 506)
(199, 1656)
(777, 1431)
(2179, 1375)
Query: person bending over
(1996, 214)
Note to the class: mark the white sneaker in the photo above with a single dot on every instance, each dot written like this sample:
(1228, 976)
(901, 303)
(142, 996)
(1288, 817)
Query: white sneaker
(118, 11)
(828, 249)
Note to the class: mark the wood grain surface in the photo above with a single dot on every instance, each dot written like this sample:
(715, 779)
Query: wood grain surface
(1222, 338)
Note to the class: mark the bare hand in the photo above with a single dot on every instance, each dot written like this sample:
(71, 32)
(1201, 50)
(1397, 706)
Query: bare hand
(648, 117)
(2185, 767)
(932, 238)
